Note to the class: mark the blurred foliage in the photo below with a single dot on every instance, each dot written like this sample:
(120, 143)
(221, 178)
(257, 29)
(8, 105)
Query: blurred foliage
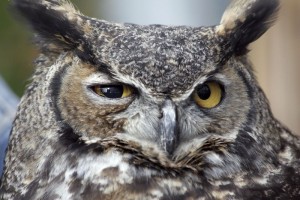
(17, 53)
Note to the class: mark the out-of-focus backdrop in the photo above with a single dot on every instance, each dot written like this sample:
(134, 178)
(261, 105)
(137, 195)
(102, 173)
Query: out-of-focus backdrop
(276, 56)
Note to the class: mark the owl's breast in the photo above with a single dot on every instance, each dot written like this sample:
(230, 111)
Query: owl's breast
(110, 176)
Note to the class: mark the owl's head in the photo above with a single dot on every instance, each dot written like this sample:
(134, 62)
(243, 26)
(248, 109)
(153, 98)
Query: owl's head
(170, 87)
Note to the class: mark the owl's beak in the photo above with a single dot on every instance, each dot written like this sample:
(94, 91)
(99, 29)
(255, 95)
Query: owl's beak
(168, 126)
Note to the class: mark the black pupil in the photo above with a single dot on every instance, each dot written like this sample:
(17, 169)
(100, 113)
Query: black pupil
(203, 92)
(112, 91)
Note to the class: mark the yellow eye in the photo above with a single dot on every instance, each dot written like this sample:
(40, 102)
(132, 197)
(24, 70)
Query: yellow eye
(208, 95)
(113, 91)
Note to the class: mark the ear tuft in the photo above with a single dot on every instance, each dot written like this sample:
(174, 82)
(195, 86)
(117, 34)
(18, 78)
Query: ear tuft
(56, 22)
(244, 21)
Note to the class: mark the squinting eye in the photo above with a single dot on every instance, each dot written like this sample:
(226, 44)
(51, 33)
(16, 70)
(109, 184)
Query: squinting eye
(208, 95)
(113, 91)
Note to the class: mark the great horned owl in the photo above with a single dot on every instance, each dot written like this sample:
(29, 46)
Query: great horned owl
(123, 111)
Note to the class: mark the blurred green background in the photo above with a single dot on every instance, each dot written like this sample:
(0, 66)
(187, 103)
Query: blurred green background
(16, 51)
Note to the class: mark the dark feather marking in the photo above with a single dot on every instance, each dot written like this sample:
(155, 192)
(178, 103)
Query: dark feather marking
(92, 191)
(250, 89)
(76, 184)
(55, 88)
(139, 184)
(194, 194)
(69, 138)
(104, 68)
(32, 188)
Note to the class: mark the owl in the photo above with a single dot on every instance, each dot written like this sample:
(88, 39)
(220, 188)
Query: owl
(124, 111)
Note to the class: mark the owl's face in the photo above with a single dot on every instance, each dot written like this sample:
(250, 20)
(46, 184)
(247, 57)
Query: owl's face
(160, 85)
(167, 87)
